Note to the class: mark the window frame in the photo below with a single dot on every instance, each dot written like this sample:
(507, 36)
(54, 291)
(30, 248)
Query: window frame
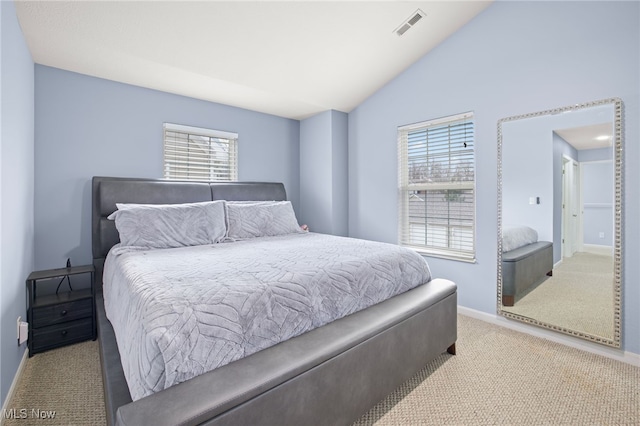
(197, 132)
(405, 190)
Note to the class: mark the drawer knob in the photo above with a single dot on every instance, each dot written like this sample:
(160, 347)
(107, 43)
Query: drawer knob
(63, 312)
(64, 332)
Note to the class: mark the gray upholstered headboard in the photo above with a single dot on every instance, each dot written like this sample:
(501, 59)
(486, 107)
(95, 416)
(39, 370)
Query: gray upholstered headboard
(107, 191)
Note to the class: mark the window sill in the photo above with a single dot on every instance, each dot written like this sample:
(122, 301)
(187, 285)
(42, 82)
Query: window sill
(428, 253)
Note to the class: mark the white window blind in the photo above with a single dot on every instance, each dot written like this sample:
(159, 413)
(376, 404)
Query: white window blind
(192, 153)
(437, 187)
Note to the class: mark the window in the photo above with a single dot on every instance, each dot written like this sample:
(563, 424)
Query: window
(437, 187)
(191, 153)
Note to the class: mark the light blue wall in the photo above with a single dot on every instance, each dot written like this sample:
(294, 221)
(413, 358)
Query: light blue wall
(323, 173)
(514, 58)
(598, 198)
(340, 171)
(87, 126)
(16, 186)
(315, 172)
(597, 154)
(527, 172)
(598, 179)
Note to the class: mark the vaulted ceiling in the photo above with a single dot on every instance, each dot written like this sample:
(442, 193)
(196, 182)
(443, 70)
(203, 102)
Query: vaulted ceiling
(289, 58)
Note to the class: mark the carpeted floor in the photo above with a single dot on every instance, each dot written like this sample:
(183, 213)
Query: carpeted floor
(66, 380)
(499, 377)
(579, 296)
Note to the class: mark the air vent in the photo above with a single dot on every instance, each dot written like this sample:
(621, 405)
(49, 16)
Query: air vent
(415, 19)
(403, 29)
(406, 25)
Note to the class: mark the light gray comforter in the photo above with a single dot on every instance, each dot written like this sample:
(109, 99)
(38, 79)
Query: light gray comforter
(180, 312)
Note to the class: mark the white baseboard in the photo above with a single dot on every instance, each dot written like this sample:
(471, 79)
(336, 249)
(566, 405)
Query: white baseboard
(613, 353)
(14, 384)
(598, 249)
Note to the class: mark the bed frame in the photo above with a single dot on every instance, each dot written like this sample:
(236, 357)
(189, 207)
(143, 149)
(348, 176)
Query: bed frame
(524, 268)
(331, 375)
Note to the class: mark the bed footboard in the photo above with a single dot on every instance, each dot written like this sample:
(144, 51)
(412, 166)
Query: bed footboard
(331, 375)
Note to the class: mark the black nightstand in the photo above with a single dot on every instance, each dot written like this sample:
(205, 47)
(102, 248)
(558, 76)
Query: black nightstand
(60, 319)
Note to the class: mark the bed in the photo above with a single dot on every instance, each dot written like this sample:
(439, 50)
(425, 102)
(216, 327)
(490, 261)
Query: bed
(330, 374)
(526, 262)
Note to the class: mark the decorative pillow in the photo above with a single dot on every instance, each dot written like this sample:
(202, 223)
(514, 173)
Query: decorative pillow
(126, 206)
(170, 225)
(260, 219)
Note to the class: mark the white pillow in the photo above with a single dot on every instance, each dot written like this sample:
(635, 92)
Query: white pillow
(170, 225)
(260, 219)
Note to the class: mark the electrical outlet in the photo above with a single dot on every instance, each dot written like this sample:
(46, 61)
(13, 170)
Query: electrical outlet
(23, 333)
(601, 235)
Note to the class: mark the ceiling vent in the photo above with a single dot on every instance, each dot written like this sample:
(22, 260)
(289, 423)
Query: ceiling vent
(406, 25)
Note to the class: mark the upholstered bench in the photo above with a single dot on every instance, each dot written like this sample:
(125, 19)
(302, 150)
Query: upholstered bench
(523, 267)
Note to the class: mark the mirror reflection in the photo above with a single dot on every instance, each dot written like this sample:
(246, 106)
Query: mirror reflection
(560, 196)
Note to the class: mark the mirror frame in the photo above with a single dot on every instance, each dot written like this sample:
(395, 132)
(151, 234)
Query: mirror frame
(617, 145)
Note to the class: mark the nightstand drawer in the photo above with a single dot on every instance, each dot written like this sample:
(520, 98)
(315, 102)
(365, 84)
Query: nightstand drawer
(61, 334)
(62, 312)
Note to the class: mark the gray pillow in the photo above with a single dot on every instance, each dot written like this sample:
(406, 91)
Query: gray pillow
(260, 219)
(170, 225)
(514, 237)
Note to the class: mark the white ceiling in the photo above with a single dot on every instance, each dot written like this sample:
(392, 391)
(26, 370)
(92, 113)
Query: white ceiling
(291, 58)
(588, 137)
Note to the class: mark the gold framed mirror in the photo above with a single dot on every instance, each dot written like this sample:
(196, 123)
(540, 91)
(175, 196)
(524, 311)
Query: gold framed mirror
(559, 219)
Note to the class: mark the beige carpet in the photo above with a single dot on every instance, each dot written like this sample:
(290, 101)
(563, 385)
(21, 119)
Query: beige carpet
(67, 381)
(499, 377)
(579, 296)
